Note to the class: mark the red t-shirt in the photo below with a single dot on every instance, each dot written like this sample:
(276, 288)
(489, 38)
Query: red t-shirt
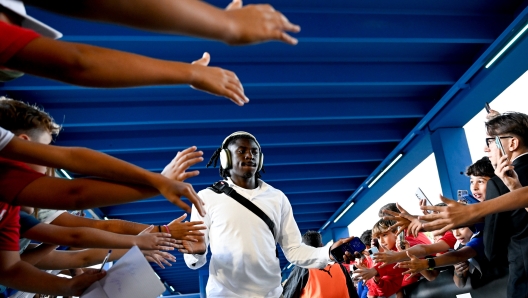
(390, 281)
(12, 40)
(9, 227)
(449, 238)
(421, 239)
(14, 177)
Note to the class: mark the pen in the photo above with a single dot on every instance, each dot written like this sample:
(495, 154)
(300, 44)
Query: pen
(105, 260)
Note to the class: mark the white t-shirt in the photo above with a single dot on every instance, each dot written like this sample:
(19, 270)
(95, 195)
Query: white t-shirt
(5, 137)
(243, 262)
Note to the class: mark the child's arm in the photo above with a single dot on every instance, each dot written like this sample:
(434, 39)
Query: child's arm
(241, 25)
(93, 163)
(175, 170)
(67, 259)
(178, 229)
(92, 66)
(24, 277)
(420, 251)
(94, 238)
(35, 255)
(416, 265)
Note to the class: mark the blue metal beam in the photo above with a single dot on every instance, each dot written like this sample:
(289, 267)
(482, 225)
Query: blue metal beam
(452, 158)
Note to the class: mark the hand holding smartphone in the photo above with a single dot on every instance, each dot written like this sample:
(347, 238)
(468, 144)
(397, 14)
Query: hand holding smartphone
(421, 196)
(503, 152)
(352, 246)
(466, 197)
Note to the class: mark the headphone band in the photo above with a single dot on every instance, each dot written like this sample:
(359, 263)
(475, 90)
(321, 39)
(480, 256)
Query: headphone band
(240, 133)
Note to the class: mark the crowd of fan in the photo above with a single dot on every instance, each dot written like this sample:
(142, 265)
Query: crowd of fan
(480, 240)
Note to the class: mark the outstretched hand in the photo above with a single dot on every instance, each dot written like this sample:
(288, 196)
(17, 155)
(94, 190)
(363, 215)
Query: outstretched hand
(364, 272)
(186, 230)
(258, 23)
(414, 265)
(190, 247)
(217, 81)
(148, 240)
(449, 217)
(176, 169)
(173, 191)
(386, 258)
(406, 223)
(159, 257)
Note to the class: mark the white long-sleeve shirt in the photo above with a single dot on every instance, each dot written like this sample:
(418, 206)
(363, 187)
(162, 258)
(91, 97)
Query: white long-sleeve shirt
(243, 262)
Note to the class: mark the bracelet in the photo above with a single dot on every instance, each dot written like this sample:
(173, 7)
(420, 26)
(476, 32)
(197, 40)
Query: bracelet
(159, 228)
(167, 228)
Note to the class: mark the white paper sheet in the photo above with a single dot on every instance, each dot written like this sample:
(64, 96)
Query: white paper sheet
(131, 276)
(466, 295)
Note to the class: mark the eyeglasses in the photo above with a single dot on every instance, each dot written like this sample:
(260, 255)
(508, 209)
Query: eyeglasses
(489, 140)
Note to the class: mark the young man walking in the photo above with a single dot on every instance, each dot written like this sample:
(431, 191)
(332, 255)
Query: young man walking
(244, 262)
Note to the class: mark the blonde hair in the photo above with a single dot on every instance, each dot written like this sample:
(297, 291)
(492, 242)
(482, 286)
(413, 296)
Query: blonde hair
(383, 226)
(22, 118)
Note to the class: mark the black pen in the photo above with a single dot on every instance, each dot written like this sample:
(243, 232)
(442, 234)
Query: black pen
(105, 260)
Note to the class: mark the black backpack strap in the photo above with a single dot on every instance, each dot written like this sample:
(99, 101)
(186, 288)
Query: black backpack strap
(223, 187)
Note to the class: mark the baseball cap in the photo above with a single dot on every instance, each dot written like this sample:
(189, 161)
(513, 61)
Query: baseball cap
(17, 7)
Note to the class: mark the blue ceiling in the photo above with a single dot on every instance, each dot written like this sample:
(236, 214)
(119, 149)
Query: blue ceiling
(329, 112)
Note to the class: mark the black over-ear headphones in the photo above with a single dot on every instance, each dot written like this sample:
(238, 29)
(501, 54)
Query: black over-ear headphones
(225, 155)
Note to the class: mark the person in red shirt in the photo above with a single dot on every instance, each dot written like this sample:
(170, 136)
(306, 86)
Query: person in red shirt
(21, 184)
(382, 281)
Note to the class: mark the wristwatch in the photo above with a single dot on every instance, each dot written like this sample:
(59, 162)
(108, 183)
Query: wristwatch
(431, 264)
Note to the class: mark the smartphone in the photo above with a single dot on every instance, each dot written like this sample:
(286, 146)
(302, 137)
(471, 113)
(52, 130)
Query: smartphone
(421, 196)
(373, 250)
(487, 106)
(352, 246)
(402, 238)
(499, 145)
(501, 148)
(469, 199)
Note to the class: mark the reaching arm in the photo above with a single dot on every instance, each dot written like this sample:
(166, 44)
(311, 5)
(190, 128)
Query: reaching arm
(68, 259)
(416, 265)
(238, 25)
(93, 163)
(178, 229)
(175, 170)
(88, 237)
(37, 281)
(92, 66)
(420, 251)
(35, 255)
(457, 215)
